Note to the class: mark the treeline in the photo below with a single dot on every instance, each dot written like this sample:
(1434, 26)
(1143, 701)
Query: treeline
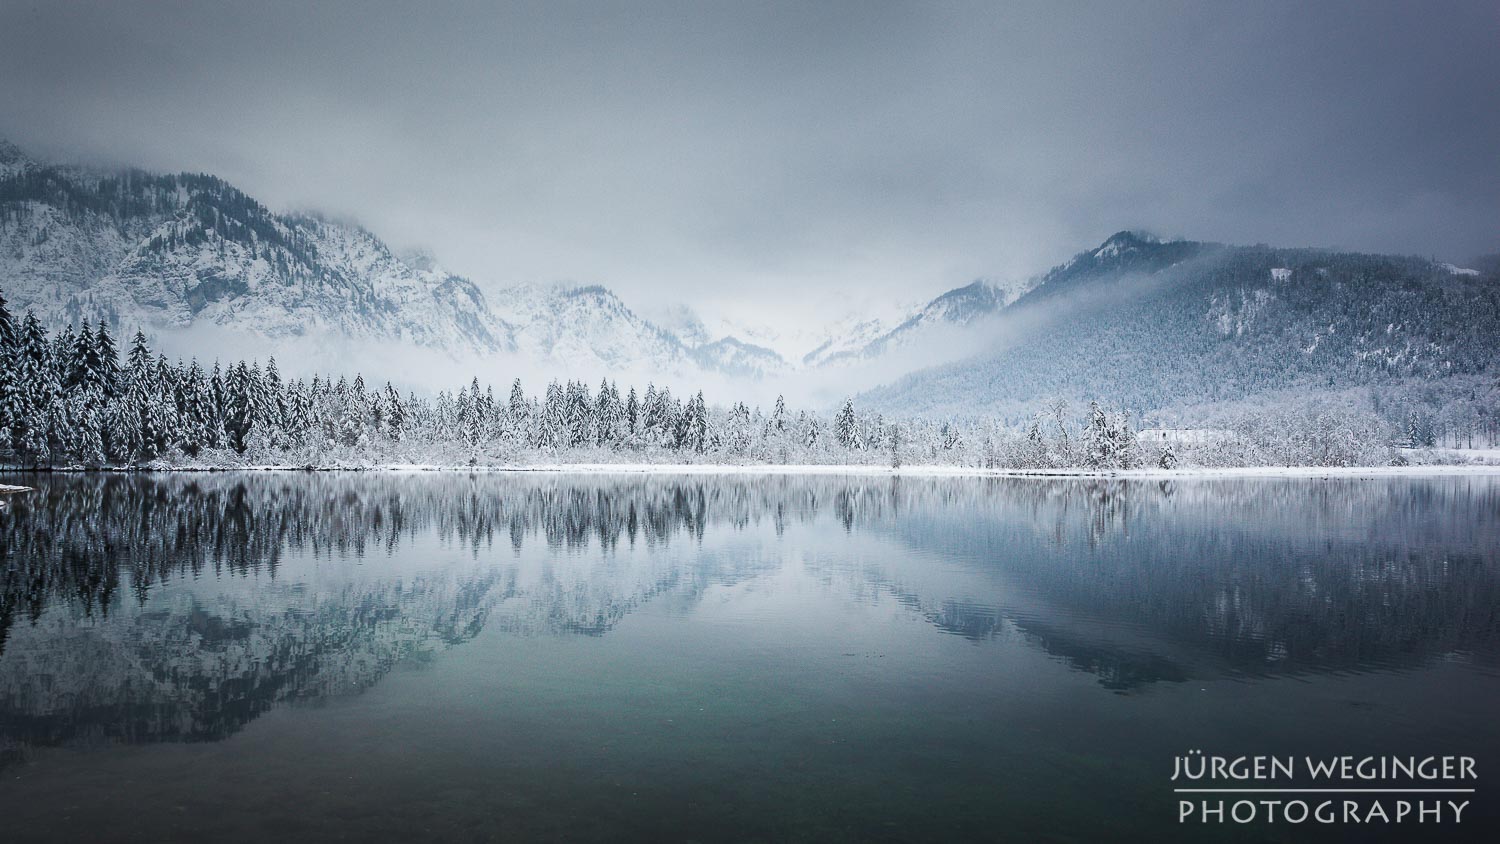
(68, 400)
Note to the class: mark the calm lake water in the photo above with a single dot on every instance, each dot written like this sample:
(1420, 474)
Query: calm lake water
(742, 658)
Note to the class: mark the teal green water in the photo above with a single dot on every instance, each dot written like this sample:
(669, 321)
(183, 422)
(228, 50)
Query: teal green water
(495, 657)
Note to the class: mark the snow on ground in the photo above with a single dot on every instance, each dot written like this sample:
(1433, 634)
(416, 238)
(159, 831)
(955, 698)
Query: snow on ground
(1464, 455)
(878, 471)
(1459, 270)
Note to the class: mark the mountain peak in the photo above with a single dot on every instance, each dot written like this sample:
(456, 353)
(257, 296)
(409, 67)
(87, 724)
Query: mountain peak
(12, 158)
(1125, 241)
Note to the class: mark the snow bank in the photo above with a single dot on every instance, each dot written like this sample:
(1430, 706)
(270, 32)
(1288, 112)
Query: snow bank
(873, 471)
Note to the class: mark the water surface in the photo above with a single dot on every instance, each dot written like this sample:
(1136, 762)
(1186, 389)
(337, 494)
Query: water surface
(760, 658)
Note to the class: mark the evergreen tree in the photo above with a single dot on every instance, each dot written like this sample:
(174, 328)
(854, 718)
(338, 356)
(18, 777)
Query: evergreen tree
(700, 429)
(239, 418)
(85, 368)
(37, 391)
(395, 411)
(194, 411)
(62, 356)
(845, 427)
(7, 326)
(10, 387)
(86, 429)
(274, 404)
(109, 361)
(217, 410)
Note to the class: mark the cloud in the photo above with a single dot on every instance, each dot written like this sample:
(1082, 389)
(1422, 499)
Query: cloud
(746, 154)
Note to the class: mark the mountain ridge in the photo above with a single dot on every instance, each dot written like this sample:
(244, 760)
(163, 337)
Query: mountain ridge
(1179, 327)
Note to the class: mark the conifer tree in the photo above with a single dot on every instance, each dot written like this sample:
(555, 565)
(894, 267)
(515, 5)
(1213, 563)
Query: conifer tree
(273, 404)
(239, 417)
(395, 414)
(36, 390)
(697, 423)
(9, 385)
(7, 326)
(109, 361)
(844, 426)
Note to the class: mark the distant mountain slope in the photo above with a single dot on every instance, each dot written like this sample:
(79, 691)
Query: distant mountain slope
(176, 252)
(587, 328)
(169, 252)
(956, 309)
(1150, 325)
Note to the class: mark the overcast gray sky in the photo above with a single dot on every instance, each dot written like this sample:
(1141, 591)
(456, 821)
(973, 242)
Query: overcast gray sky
(740, 155)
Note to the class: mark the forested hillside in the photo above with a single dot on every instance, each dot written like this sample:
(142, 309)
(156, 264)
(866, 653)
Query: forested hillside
(140, 250)
(1174, 329)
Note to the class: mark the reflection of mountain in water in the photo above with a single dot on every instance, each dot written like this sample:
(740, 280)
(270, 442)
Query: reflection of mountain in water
(140, 608)
(1249, 576)
(182, 669)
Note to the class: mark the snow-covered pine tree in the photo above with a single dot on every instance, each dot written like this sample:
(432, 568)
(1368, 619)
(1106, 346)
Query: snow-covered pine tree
(239, 400)
(217, 409)
(194, 411)
(698, 431)
(9, 386)
(86, 429)
(1098, 442)
(578, 418)
(606, 415)
(7, 326)
(471, 414)
(109, 361)
(395, 414)
(552, 430)
(274, 402)
(164, 405)
(62, 356)
(352, 421)
(298, 413)
(138, 360)
(844, 426)
(37, 389)
(85, 369)
(517, 405)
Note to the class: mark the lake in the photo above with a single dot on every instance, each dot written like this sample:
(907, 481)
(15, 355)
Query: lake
(315, 656)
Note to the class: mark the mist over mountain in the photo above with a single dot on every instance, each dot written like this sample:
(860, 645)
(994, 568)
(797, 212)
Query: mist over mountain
(1165, 327)
(1181, 327)
(196, 261)
(169, 252)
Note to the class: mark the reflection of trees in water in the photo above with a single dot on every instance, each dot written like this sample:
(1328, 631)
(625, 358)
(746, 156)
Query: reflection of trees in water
(1264, 576)
(192, 671)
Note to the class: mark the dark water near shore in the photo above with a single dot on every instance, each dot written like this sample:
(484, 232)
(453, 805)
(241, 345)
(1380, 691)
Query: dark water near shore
(747, 658)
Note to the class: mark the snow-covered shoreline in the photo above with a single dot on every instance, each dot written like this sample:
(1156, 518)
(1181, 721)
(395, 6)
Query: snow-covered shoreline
(854, 470)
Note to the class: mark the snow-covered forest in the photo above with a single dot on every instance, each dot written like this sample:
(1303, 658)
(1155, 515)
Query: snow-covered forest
(69, 400)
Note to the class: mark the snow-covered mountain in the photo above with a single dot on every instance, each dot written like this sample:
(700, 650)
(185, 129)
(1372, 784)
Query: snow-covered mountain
(165, 253)
(588, 328)
(956, 309)
(179, 253)
(1169, 326)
